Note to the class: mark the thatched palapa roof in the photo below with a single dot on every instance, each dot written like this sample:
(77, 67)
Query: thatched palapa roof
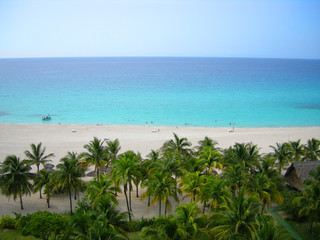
(103, 171)
(298, 172)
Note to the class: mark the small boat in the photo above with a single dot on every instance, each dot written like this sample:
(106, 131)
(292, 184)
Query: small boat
(46, 118)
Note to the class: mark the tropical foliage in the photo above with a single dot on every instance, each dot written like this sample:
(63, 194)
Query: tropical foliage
(37, 156)
(228, 191)
(15, 178)
(68, 175)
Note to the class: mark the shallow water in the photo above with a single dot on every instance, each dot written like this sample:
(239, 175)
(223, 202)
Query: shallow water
(167, 91)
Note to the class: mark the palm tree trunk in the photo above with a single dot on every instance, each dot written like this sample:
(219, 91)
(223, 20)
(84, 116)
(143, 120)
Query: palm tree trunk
(262, 209)
(175, 179)
(125, 193)
(137, 190)
(204, 207)
(160, 207)
(149, 199)
(165, 209)
(48, 201)
(38, 175)
(98, 174)
(115, 192)
(21, 204)
(70, 197)
(130, 190)
(310, 230)
(75, 194)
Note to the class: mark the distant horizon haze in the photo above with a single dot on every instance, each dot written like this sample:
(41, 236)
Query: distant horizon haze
(280, 58)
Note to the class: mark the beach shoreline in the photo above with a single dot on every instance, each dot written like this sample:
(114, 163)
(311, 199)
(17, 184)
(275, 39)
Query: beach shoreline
(61, 138)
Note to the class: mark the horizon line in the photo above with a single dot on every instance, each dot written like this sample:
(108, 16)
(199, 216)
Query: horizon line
(284, 58)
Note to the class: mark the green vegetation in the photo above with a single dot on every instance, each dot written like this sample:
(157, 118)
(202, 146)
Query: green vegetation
(8, 234)
(232, 205)
(15, 178)
(37, 157)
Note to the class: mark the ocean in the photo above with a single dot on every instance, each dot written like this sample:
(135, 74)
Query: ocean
(209, 92)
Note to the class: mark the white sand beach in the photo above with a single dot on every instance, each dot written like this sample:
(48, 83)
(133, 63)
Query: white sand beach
(59, 139)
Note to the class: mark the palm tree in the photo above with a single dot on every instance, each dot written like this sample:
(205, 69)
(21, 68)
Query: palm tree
(236, 218)
(96, 155)
(152, 163)
(211, 158)
(267, 230)
(182, 226)
(113, 147)
(310, 200)
(245, 154)
(123, 172)
(264, 189)
(137, 176)
(186, 217)
(282, 154)
(310, 203)
(312, 151)
(191, 164)
(153, 156)
(315, 174)
(236, 177)
(207, 142)
(213, 191)
(297, 151)
(161, 186)
(78, 185)
(68, 175)
(191, 184)
(180, 145)
(171, 164)
(101, 222)
(267, 167)
(43, 179)
(15, 178)
(248, 154)
(37, 157)
(164, 228)
(110, 215)
(102, 188)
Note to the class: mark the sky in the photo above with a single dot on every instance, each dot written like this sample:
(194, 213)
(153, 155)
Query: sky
(181, 28)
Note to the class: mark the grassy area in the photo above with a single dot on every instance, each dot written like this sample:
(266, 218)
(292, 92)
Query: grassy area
(303, 230)
(134, 235)
(14, 235)
(284, 223)
(9, 234)
(297, 229)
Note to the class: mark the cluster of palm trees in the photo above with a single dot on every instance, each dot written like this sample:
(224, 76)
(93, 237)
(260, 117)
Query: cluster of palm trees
(233, 186)
(294, 151)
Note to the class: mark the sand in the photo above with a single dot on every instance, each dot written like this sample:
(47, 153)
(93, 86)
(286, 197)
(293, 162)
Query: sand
(59, 139)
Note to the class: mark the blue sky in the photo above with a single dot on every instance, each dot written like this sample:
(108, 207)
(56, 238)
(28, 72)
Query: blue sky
(205, 28)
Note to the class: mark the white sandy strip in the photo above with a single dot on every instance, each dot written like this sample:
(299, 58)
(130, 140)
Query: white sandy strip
(59, 139)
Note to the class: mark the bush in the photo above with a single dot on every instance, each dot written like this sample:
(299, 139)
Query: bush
(137, 225)
(289, 206)
(43, 225)
(8, 222)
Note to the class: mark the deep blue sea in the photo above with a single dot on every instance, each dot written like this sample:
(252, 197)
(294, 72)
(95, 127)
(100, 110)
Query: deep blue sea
(167, 91)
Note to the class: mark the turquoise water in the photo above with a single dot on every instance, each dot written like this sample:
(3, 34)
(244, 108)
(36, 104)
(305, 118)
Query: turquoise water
(167, 91)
